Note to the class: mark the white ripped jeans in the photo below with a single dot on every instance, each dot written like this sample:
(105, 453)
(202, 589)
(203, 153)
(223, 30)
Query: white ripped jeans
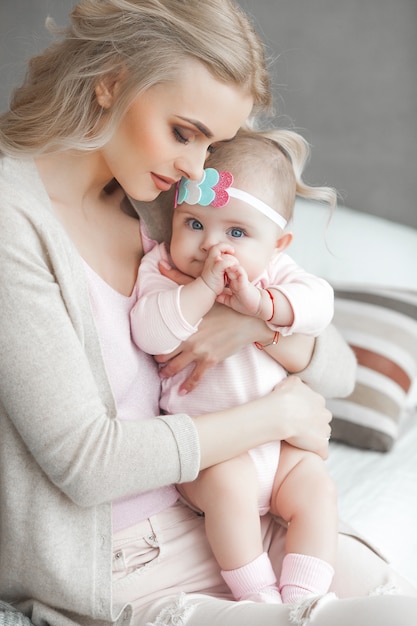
(165, 569)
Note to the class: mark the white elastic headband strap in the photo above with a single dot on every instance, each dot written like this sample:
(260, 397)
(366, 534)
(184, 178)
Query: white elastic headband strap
(214, 188)
(254, 202)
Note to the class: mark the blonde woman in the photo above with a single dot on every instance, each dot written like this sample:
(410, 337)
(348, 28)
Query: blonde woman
(135, 91)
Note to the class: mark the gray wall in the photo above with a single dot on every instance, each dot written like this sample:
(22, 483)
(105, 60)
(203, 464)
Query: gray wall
(344, 74)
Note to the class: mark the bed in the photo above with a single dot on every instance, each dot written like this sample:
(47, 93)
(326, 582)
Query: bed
(372, 264)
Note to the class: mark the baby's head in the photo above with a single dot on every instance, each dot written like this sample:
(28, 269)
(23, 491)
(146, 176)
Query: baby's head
(269, 166)
(245, 198)
(261, 167)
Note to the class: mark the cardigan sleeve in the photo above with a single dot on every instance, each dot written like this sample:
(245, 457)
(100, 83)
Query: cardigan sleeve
(332, 369)
(55, 389)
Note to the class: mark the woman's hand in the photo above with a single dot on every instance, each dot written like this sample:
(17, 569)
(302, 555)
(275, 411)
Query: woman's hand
(222, 332)
(291, 412)
(306, 415)
(293, 352)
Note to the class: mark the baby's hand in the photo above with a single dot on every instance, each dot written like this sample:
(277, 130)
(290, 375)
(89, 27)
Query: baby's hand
(239, 293)
(218, 262)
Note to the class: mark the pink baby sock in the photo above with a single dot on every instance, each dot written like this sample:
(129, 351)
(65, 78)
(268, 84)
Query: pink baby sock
(302, 576)
(255, 581)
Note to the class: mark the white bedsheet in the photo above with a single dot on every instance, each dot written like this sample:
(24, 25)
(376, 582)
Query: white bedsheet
(377, 490)
(378, 495)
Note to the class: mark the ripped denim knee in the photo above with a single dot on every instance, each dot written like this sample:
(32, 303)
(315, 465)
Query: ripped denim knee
(175, 614)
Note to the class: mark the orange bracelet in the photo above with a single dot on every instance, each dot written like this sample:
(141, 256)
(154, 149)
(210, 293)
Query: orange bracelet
(272, 343)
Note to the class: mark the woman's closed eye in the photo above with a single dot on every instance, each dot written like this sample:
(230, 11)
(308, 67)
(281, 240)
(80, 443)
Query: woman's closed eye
(181, 135)
(185, 135)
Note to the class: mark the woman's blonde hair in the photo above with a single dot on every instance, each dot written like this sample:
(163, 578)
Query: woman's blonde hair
(269, 164)
(146, 42)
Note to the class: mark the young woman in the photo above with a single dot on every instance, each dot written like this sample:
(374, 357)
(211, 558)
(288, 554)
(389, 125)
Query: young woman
(137, 91)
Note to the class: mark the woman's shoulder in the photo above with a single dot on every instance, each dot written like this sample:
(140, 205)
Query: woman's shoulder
(14, 169)
(20, 186)
(26, 215)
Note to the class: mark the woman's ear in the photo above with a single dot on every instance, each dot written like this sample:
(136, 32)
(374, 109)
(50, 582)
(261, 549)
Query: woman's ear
(106, 90)
(284, 241)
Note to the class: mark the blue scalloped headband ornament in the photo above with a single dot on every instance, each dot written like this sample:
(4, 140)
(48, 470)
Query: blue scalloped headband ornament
(215, 189)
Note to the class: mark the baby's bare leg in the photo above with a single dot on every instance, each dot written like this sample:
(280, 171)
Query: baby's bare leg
(305, 496)
(228, 493)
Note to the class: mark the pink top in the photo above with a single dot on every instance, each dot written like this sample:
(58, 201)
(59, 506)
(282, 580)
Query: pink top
(135, 384)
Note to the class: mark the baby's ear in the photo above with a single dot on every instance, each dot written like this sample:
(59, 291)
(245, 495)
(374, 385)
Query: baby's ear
(284, 241)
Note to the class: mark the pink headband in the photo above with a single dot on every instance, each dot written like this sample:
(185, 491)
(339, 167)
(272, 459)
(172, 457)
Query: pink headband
(215, 189)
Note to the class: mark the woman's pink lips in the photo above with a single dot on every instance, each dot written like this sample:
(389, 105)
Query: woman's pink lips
(163, 184)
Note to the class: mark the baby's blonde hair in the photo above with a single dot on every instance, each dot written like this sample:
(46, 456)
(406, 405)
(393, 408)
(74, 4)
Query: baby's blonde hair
(269, 164)
(146, 42)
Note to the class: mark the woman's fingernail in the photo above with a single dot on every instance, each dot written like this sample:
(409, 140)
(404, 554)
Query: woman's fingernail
(182, 392)
(165, 264)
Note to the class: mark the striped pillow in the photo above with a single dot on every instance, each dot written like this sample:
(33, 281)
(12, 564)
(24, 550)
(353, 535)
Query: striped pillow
(381, 328)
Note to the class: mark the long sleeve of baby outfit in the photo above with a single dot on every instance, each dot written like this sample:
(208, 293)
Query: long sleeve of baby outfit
(157, 323)
(311, 297)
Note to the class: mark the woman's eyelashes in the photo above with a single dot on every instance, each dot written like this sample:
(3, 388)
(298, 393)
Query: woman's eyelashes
(184, 136)
(179, 135)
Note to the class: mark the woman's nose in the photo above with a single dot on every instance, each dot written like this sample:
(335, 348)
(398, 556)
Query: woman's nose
(192, 165)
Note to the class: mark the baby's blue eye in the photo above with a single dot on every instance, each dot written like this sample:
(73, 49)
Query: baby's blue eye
(195, 224)
(236, 233)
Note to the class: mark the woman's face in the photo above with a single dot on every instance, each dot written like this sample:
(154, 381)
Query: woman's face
(167, 131)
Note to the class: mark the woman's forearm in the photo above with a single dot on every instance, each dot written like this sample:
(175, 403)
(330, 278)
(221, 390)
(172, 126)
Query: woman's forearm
(326, 362)
(293, 352)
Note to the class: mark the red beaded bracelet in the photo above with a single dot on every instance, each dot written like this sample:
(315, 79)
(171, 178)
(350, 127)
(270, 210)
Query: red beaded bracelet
(273, 305)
